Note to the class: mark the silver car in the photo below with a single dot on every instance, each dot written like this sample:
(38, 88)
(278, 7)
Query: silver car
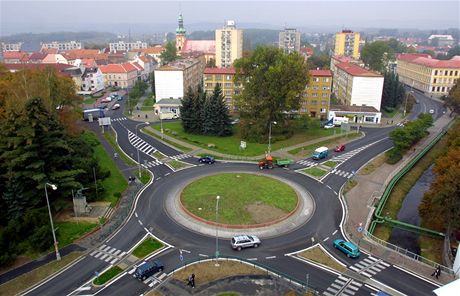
(244, 241)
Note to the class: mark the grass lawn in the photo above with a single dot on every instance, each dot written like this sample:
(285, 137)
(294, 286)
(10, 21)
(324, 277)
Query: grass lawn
(231, 145)
(146, 247)
(108, 275)
(16, 285)
(110, 137)
(383, 231)
(89, 101)
(331, 143)
(431, 248)
(158, 155)
(145, 176)
(349, 185)
(316, 254)
(373, 165)
(69, 231)
(237, 192)
(148, 104)
(330, 163)
(207, 271)
(178, 164)
(316, 172)
(116, 183)
(177, 146)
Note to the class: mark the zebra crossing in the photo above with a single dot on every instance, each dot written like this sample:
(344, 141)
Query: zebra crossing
(179, 156)
(343, 286)
(369, 266)
(151, 163)
(307, 162)
(154, 280)
(107, 254)
(345, 156)
(139, 143)
(118, 119)
(342, 173)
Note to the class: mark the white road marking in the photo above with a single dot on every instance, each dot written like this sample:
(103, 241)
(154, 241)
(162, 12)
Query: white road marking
(252, 259)
(135, 214)
(335, 231)
(203, 255)
(335, 193)
(140, 222)
(186, 251)
(270, 257)
(167, 174)
(326, 239)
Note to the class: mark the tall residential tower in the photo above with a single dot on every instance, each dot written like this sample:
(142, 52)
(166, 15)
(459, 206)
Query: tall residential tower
(347, 44)
(229, 45)
(289, 40)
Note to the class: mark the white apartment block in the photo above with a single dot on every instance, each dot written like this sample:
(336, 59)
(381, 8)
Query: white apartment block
(11, 46)
(126, 46)
(174, 79)
(229, 45)
(289, 40)
(62, 45)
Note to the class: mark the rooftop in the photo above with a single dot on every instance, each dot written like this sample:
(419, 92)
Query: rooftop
(206, 46)
(179, 65)
(220, 71)
(169, 102)
(324, 73)
(355, 70)
(118, 68)
(149, 50)
(353, 108)
(18, 67)
(428, 61)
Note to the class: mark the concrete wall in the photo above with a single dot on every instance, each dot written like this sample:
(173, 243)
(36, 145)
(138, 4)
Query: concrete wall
(169, 84)
(367, 91)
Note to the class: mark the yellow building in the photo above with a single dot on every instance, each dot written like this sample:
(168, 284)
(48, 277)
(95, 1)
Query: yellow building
(229, 45)
(317, 95)
(224, 77)
(432, 76)
(347, 44)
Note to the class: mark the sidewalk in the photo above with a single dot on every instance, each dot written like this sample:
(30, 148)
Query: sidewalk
(360, 206)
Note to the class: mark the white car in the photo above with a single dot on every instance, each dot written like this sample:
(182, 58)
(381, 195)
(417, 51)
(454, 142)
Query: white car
(431, 111)
(240, 242)
(115, 106)
(107, 100)
(330, 125)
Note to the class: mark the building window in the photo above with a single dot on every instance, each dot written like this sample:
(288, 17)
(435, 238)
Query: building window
(434, 80)
(313, 102)
(323, 103)
(325, 79)
(315, 79)
(325, 87)
(456, 73)
(442, 90)
(433, 88)
(314, 95)
(323, 110)
(435, 72)
(451, 72)
(218, 77)
(229, 77)
(325, 95)
(228, 85)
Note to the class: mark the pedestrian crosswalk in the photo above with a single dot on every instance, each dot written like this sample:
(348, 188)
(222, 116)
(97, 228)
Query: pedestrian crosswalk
(342, 173)
(307, 162)
(118, 119)
(180, 156)
(343, 286)
(152, 281)
(369, 266)
(107, 254)
(140, 144)
(345, 156)
(152, 163)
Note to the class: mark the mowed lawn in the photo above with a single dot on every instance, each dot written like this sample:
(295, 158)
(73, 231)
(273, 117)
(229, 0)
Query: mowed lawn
(236, 192)
(231, 144)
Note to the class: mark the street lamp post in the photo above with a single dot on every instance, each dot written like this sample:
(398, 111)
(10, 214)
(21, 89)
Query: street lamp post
(54, 187)
(138, 160)
(270, 136)
(217, 234)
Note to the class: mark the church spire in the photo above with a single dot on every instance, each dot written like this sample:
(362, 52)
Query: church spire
(180, 29)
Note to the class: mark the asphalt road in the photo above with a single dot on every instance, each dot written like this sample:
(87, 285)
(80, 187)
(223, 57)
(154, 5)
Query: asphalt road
(149, 216)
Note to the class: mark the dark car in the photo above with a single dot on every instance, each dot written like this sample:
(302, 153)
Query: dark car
(148, 269)
(339, 148)
(206, 159)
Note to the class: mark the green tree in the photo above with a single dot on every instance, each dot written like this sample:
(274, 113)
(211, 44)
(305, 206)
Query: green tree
(223, 122)
(169, 54)
(376, 55)
(186, 111)
(396, 46)
(453, 99)
(272, 84)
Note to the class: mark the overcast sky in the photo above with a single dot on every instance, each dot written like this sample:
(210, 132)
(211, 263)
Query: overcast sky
(44, 16)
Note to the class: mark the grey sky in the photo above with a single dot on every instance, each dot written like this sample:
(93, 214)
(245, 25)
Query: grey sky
(44, 16)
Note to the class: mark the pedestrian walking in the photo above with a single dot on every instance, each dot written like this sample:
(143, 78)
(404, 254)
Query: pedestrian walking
(193, 280)
(438, 272)
(189, 281)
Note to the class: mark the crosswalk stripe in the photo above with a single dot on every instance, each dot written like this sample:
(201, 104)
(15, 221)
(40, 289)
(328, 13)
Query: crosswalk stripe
(336, 286)
(162, 276)
(331, 289)
(108, 259)
(113, 261)
(94, 252)
(356, 284)
(148, 151)
(105, 255)
(132, 271)
(346, 292)
(97, 255)
(384, 263)
(366, 274)
(354, 268)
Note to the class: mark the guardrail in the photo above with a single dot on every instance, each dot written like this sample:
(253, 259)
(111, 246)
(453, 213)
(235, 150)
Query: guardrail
(302, 286)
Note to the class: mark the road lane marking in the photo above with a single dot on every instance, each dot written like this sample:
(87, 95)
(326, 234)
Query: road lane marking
(186, 251)
(335, 192)
(135, 214)
(329, 187)
(203, 255)
(335, 231)
(252, 259)
(326, 239)
(270, 257)
(140, 222)
(167, 174)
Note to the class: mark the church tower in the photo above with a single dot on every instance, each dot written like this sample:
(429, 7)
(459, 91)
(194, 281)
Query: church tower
(180, 34)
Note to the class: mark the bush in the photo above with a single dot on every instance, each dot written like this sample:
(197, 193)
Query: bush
(393, 156)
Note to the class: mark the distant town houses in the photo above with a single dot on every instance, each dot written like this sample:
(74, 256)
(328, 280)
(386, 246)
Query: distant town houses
(441, 40)
(11, 46)
(154, 52)
(126, 46)
(15, 57)
(119, 75)
(61, 45)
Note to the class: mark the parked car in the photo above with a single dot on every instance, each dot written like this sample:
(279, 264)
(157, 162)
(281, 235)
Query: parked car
(207, 159)
(339, 148)
(329, 125)
(106, 100)
(245, 241)
(348, 248)
(431, 111)
(148, 269)
(120, 98)
(115, 106)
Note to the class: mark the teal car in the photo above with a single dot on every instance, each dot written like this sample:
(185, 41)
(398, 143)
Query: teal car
(350, 249)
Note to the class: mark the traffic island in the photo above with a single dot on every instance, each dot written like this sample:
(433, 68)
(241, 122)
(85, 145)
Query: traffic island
(318, 255)
(315, 172)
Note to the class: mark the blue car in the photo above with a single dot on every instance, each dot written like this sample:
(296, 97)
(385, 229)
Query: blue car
(350, 249)
(206, 159)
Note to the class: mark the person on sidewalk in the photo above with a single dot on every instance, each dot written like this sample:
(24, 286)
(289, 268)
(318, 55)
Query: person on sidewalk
(193, 280)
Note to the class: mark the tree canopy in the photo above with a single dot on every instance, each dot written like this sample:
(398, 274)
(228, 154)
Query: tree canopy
(170, 53)
(272, 83)
(393, 91)
(453, 99)
(376, 55)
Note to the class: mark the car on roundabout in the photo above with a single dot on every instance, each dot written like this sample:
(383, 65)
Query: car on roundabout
(207, 159)
(348, 248)
(240, 242)
(148, 269)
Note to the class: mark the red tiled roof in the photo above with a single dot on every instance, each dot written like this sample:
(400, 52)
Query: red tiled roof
(37, 56)
(50, 50)
(139, 67)
(18, 67)
(10, 55)
(220, 71)
(206, 46)
(149, 50)
(118, 68)
(306, 50)
(426, 60)
(356, 70)
(323, 73)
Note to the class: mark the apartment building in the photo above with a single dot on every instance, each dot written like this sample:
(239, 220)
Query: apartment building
(357, 87)
(120, 75)
(126, 46)
(317, 95)
(174, 79)
(432, 76)
(347, 43)
(61, 45)
(223, 77)
(441, 40)
(289, 40)
(11, 46)
(229, 45)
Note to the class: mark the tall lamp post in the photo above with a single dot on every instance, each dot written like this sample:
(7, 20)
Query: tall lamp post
(54, 187)
(270, 136)
(217, 234)
(138, 160)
